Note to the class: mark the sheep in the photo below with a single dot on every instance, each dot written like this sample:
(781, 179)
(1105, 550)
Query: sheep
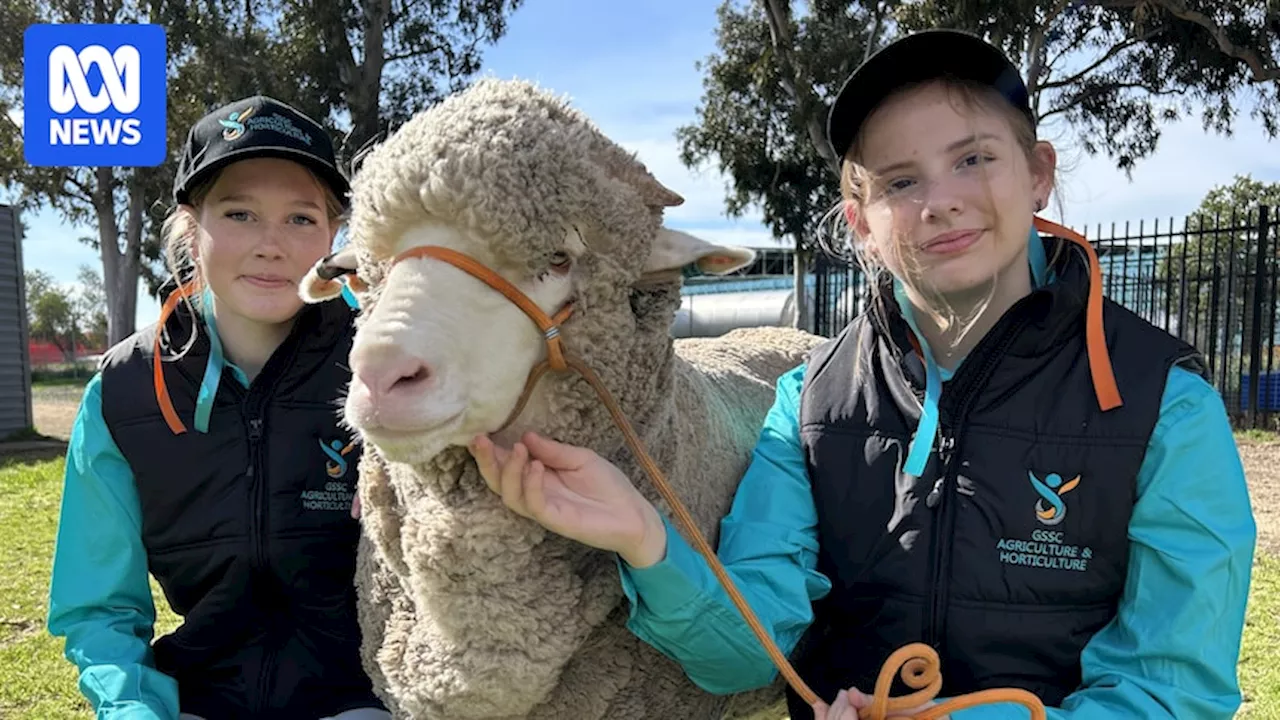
(467, 609)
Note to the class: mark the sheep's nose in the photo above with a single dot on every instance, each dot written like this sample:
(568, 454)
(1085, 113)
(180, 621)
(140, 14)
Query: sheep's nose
(386, 370)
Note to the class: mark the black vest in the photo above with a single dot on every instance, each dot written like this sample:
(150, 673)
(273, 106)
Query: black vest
(248, 528)
(1005, 581)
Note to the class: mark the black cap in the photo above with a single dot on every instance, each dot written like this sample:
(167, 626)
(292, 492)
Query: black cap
(918, 57)
(257, 126)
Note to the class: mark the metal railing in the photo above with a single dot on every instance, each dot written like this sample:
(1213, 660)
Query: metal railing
(1211, 280)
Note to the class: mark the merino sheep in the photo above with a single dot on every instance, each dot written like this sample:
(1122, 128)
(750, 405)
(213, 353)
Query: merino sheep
(469, 610)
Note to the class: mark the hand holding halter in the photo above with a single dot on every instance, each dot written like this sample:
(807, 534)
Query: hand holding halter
(921, 668)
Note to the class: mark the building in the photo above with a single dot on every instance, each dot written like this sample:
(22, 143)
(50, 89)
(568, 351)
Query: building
(15, 365)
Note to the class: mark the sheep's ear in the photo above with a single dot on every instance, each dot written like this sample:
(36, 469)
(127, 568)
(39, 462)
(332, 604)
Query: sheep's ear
(322, 281)
(673, 249)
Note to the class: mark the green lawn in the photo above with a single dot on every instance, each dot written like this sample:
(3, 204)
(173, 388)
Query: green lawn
(36, 683)
(1260, 656)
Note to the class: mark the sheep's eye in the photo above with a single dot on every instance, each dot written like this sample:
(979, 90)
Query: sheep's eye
(561, 261)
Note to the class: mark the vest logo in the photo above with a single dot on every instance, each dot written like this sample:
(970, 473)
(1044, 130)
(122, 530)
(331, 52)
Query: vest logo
(1051, 490)
(94, 95)
(1045, 548)
(337, 494)
(336, 466)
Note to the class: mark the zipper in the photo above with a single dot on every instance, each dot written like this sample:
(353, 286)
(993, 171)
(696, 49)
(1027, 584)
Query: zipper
(257, 530)
(943, 528)
(950, 430)
(266, 675)
(257, 488)
(253, 407)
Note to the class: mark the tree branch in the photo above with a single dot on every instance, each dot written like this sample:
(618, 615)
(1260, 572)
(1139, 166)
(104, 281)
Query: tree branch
(1036, 48)
(1250, 57)
(1112, 86)
(778, 13)
(1067, 50)
(86, 194)
(1115, 50)
(406, 55)
(873, 36)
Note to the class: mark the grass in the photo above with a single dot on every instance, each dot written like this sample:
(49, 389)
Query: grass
(62, 381)
(37, 683)
(1256, 436)
(1260, 654)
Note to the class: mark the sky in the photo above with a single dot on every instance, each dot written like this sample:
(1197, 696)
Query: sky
(634, 73)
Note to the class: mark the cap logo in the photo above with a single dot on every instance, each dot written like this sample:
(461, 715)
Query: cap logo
(239, 123)
(233, 127)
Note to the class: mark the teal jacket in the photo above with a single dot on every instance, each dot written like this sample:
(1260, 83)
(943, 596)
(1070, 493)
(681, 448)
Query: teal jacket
(100, 593)
(1170, 652)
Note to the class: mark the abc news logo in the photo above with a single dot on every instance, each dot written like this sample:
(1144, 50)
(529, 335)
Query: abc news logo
(69, 89)
(94, 95)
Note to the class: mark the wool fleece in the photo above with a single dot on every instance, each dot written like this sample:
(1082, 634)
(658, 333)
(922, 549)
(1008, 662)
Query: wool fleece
(467, 609)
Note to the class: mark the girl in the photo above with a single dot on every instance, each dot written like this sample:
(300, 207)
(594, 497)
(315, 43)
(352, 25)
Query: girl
(207, 451)
(992, 460)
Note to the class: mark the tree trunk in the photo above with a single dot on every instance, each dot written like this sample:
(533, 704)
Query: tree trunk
(364, 82)
(797, 80)
(119, 267)
(131, 267)
(68, 352)
(800, 291)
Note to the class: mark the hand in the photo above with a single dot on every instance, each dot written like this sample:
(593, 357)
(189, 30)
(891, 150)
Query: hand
(355, 505)
(849, 704)
(573, 492)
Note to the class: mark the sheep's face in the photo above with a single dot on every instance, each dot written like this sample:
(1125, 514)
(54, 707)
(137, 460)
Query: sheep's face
(512, 177)
(442, 355)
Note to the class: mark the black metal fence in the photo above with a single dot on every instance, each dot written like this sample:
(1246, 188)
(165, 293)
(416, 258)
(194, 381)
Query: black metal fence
(1209, 280)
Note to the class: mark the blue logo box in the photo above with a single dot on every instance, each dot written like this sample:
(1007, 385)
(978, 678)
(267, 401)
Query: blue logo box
(94, 95)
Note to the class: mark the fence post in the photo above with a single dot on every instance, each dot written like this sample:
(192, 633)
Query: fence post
(819, 313)
(1255, 351)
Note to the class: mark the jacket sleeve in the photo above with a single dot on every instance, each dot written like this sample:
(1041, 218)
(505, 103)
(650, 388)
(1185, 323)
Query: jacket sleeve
(99, 595)
(768, 544)
(1172, 649)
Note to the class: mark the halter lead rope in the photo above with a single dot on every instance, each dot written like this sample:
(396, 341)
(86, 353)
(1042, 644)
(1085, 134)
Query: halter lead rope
(919, 664)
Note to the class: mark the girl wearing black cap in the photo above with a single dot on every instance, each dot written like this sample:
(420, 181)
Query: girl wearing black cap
(992, 459)
(208, 453)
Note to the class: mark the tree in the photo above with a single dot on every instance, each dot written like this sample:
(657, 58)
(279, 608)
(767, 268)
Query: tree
(1114, 70)
(206, 52)
(1117, 70)
(90, 307)
(321, 57)
(762, 115)
(384, 60)
(50, 313)
(69, 316)
(1212, 275)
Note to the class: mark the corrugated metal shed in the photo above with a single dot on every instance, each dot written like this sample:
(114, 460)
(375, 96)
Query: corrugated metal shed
(15, 366)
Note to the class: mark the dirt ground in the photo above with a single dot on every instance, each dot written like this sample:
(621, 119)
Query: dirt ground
(1262, 469)
(55, 409)
(55, 412)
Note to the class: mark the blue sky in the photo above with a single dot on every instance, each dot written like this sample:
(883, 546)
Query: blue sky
(634, 73)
